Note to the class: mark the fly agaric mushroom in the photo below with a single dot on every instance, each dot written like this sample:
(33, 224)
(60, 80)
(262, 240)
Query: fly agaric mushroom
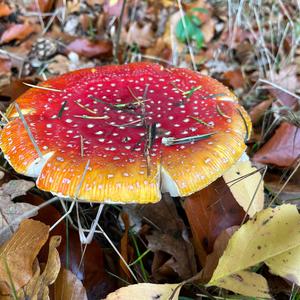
(134, 130)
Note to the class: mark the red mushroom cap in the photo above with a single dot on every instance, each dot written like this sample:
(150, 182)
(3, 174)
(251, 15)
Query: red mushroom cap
(123, 133)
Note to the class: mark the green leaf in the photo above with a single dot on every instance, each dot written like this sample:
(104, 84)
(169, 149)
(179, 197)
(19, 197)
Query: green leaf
(192, 32)
(195, 20)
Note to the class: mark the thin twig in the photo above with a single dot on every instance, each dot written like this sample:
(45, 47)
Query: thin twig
(118, 34)
(35, 145)
(43, 87)
(253, 197)
(280, 88)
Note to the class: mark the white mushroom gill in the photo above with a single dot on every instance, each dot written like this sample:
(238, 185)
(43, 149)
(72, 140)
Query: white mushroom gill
(168, 184)
(36, 166)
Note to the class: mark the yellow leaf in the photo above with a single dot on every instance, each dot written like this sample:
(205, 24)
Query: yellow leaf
(286, 265)
(246, 283)
(18, 254)
(145, 291)
(244, 182)
(271, 232)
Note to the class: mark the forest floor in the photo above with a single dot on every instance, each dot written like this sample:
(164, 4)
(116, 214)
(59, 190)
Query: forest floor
(250, 46)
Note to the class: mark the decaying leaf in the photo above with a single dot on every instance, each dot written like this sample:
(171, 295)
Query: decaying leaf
(38, 285)
(68, 286)
(246, 185)
(18, 254)
(146, 291)
(167, 236)
(282, 149)
(11, 214)
(271, 233)
(210, 211)
(15, 188)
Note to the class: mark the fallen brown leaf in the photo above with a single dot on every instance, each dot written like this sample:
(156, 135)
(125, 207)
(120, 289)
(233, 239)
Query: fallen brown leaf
(87, 48)
(17, 32)
(234, 78)
(18, 254)
(219, 247)
(210, 211)
(282, 149)
(166, 237)
(38, 286)
(126, 250)
(68, 286)
(90, 267)
(40, 5)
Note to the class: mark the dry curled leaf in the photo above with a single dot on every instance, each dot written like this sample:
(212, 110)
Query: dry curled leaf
(282, 149)
(39, 283)
(18, 254)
